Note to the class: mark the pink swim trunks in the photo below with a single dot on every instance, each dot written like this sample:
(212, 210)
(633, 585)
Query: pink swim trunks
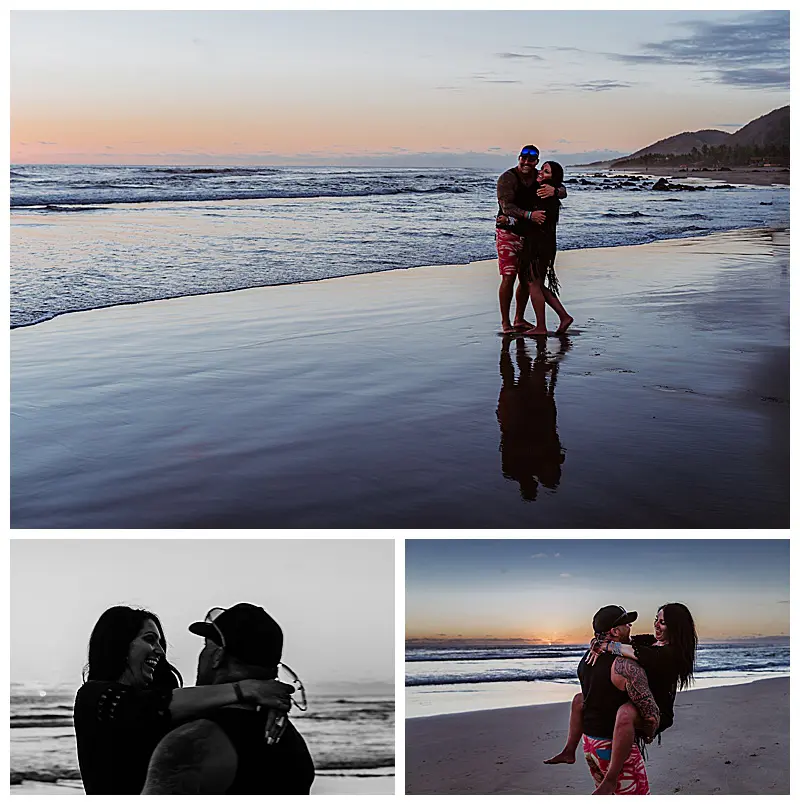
(633, 777)
(509, 248)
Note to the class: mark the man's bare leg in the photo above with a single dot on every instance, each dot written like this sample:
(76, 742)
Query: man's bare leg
(505, 294)
(567, 754)
(628, 719)
(521, 299)
(564, 318)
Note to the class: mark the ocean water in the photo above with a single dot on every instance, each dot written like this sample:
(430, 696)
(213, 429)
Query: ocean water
(446, 665)
(446, 678)
(348, 735)
(92, 236)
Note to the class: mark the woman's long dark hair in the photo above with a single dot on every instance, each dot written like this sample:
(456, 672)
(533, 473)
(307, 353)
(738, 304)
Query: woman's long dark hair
(110, 643)
(556, 179)
(682, 638)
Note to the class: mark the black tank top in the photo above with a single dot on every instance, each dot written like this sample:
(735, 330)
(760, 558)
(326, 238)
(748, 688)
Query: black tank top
(283, 768)
(525, 198)
(601, 697)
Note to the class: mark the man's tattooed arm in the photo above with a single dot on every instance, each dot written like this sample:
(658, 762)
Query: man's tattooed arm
(506, 193)
(639, 692)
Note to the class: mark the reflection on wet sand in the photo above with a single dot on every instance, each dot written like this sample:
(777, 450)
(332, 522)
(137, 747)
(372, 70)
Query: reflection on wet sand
(526, 410)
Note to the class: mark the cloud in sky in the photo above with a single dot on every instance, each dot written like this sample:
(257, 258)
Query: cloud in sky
(756, 78)
(565, 575)
(539, 556)
(493, 78)
(750, 52)
(602, 85)
(529, 56)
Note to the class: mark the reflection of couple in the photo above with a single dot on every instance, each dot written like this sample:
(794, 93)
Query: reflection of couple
(526, 411)
(138, 731)
(628, 688)
(528, 210)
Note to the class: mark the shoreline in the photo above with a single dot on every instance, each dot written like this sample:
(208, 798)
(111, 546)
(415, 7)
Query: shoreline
(388, 400)
(324, 785)
(534, 694)
(761, 177)
(725, 740)
(299, 283)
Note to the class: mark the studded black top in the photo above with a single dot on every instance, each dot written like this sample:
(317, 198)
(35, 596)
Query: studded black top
(117, 728)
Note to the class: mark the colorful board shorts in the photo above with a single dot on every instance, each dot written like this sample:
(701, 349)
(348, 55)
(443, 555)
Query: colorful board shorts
(633, 777)
(509, 248)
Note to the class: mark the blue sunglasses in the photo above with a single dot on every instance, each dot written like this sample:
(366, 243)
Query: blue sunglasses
(529, 152)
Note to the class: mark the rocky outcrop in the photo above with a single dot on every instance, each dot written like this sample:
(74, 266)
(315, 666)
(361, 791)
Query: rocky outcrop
(665, 184)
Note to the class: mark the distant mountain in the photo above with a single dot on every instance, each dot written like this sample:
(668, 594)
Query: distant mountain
(769, 131)
(683, 143)
(766, 137)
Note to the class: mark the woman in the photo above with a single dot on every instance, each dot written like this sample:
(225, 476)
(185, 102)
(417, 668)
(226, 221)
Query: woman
(132, 697)
(668, 658)
(540, 254)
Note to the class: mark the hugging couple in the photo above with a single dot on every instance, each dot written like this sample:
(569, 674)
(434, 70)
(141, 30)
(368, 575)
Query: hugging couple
(529, 201)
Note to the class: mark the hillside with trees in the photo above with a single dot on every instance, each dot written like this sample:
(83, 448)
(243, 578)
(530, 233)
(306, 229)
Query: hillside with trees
(763, 142)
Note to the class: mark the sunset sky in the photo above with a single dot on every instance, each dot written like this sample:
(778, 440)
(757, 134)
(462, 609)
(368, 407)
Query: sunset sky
(548, 590)
(379, 87)
(334, 600)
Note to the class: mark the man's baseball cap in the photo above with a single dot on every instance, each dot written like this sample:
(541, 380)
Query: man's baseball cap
(249, 634)
(607, 618)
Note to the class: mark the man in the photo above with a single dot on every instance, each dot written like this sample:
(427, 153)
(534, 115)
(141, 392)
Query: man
(517, 192)
(606, 685)
(236, 749)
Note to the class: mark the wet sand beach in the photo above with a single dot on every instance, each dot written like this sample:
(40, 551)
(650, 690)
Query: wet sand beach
(725, 740)
(388, 400)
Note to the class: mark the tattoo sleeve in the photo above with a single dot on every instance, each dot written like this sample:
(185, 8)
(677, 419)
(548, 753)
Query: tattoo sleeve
(638, 690)
(506, 191)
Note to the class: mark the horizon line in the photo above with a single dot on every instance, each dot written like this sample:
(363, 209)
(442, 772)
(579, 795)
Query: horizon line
(538, 641)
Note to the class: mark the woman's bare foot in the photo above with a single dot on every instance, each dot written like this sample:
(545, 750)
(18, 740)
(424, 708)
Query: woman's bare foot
(606, 787)
(523, 325)
(564, 756)
(508, 329)
(535, 331)
(565, 323)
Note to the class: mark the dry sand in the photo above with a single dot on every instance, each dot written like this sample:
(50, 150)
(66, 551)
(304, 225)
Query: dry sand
(388, 400)
(725, 740)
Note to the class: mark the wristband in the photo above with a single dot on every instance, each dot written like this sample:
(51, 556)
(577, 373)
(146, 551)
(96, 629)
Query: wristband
(239, 695)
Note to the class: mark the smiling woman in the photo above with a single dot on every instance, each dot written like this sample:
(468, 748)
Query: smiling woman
(132, 696)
